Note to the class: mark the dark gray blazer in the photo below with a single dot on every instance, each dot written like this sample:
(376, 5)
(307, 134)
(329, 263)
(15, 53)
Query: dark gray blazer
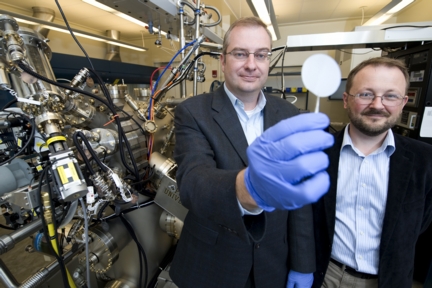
(408, 211)
(218, 247)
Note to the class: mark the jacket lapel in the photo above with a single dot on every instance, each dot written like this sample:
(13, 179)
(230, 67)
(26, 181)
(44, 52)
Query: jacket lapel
(400, 162)
(225, 116)
(271, 113)
(330, 197)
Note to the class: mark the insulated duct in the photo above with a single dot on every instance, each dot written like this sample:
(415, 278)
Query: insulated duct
(113, 51)
(45, 14)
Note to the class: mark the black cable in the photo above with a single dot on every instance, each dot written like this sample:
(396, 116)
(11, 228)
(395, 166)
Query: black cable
(133, 119)
(101, 210)
(140, 249)
(130, 209)
(30, 139)
(346, 52)
(183, 75)
(111, 106)
(65, 212)
(82, 153)
(163, 264)
(282, 73)
(91, 151)
(276, 59)
(23, 66)
(10, 103)
(45, 228)
(72, 33)
(120, 130)
(121, 135)
(53, 219)
(7, 227)
(279, 48)
(406, 26)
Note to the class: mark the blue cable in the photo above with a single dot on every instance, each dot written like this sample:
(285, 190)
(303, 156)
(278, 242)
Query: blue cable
(169, 64)
(163, 71)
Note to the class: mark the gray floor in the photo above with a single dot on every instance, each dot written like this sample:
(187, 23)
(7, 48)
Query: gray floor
(23, 264)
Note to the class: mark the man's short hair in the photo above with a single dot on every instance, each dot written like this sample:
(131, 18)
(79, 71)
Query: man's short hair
(375, 62)
(245, 21)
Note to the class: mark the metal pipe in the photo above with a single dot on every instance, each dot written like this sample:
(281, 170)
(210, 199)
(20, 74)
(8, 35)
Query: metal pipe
(6, 276)
(182, 44)
(7, 242)
(197, 34)
(45, 14)
(39, 277)
(113, 51)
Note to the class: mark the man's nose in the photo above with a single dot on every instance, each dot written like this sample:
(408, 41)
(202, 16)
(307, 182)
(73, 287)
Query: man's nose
(250, 61)
(377, 102)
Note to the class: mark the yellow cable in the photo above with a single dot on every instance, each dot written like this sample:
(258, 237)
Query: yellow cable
(51, 232)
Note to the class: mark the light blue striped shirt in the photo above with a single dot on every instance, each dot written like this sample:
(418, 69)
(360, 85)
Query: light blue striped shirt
(360, 204)
(252, 123)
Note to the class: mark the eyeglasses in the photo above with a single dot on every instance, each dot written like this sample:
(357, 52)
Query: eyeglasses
(242, 55)
(386, 99)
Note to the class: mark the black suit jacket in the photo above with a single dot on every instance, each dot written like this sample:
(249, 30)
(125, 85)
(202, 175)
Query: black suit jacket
(408, 211)
(218, 247)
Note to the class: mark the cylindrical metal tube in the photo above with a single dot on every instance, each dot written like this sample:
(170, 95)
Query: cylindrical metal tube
(197, 34)
(7, 242)
(6, 276)
(4, 79)
(43, 274)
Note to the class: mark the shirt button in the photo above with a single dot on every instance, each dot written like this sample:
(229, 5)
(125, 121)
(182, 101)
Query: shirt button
(257, 246)
(360, 257)
(361, 232)
(363, 185)
(361, 208)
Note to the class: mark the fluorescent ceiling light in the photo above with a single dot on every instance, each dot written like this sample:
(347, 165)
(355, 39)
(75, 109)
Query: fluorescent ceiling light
(125, 45)
(272, 32)
(57, 27)
(99, 5)
(130, 19)
(120, 14)
(25, 21)
(64, 30)
(385, 13)
(264, 10)
(400, 6)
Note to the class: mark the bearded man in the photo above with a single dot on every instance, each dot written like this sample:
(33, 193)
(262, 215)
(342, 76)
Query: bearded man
(380, 196)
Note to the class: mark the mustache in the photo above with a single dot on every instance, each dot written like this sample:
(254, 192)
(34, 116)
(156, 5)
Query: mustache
(373, 111)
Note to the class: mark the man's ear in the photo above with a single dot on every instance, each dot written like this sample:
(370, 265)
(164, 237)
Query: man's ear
(345, 99)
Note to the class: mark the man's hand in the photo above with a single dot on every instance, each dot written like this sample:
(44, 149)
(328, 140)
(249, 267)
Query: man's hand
(287, 163)
(299, 280)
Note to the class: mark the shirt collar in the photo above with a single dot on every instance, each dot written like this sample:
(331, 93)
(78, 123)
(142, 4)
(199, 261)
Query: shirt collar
(236, 102)
(388, 145)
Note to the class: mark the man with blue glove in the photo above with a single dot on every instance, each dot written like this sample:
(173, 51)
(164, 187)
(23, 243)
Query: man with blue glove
(239, 182)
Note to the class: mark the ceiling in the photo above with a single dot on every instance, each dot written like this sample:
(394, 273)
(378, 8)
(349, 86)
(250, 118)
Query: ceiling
(81, 15)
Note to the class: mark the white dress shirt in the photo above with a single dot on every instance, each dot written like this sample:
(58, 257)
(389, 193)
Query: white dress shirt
(252, 123)
(360, 204)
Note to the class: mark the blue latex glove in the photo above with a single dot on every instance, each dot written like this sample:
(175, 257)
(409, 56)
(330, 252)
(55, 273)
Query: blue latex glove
(299, 280)
(286, 163)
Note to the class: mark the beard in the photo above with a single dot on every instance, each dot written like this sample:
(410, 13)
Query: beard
(374, 128)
